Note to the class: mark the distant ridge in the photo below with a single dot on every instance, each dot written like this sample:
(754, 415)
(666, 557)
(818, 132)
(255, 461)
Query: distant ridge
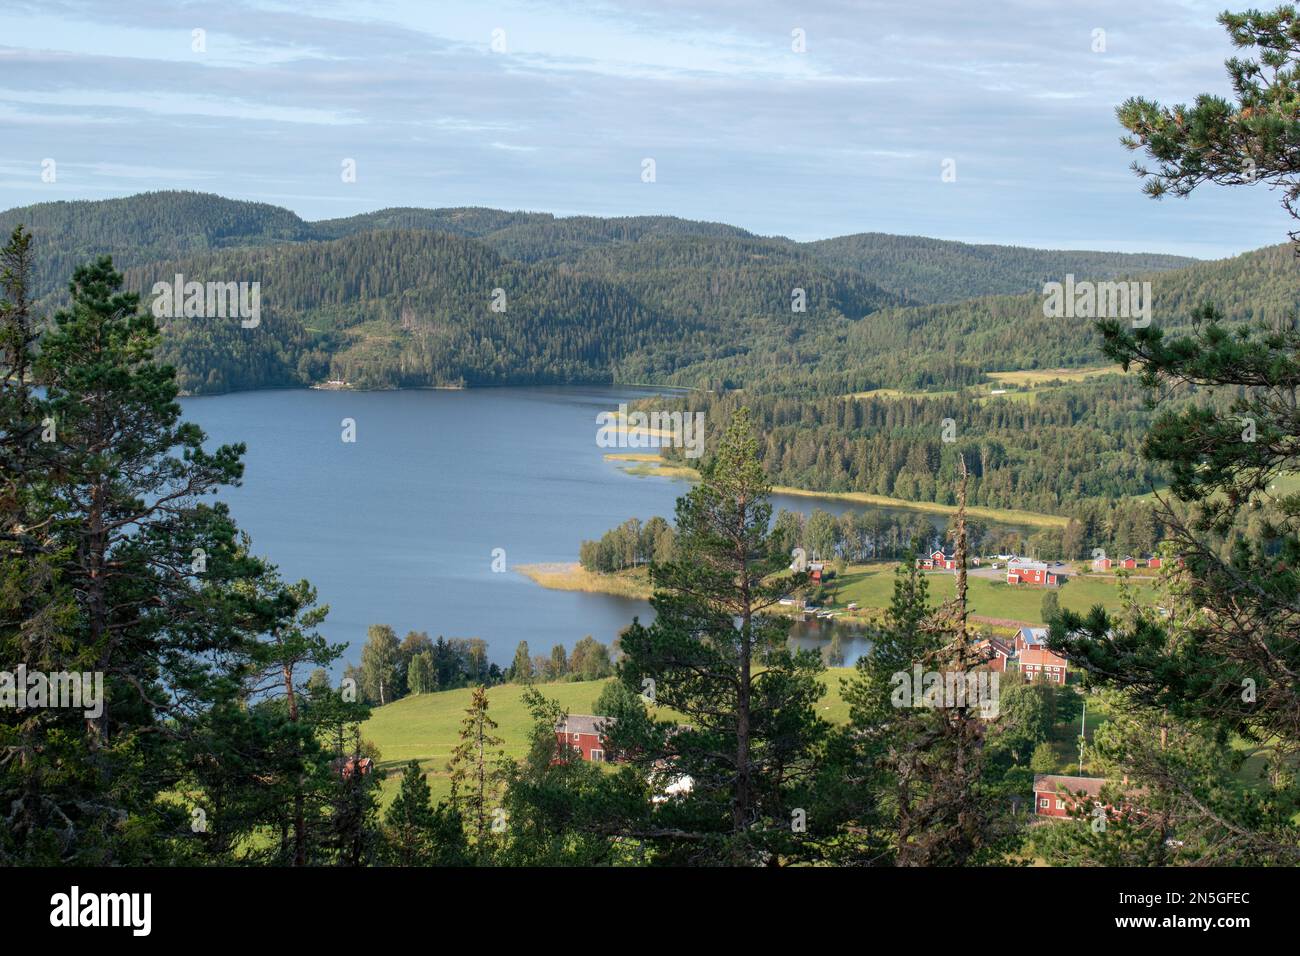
(404, 297)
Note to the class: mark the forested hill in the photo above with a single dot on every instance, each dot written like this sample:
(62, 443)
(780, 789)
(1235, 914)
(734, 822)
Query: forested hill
(945, 346)
(936, 270)
(409, 308)
(402, 297)
(144, 228)
(151, 226)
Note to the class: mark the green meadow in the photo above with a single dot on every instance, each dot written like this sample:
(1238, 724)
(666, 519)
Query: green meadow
(426, 727)
(872, 586)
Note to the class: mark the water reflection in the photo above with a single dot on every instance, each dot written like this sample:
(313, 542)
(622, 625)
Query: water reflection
(839, 644)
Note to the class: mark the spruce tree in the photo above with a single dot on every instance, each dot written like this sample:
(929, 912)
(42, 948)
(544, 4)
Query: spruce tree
(419, 833)
(477, 766)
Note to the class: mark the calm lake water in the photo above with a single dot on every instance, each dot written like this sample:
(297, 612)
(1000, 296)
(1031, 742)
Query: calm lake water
(399, 527)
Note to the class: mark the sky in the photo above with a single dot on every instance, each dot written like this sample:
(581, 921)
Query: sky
(556, 106)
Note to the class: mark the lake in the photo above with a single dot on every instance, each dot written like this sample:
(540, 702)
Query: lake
(400, 526)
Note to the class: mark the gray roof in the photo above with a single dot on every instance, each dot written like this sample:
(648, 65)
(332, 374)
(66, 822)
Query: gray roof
(583, 724)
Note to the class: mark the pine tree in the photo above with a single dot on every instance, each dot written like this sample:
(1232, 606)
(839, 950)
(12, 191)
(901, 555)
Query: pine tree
(37, 608)
(1225, 658)
(714, 656)
(148, 567)
(1243, 143)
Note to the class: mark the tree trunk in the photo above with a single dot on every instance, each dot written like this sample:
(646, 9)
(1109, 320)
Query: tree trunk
(299, 798)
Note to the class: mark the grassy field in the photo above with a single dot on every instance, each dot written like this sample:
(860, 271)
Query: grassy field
(900, 393)
(872, 585)
(426, 727)
(1033, 377)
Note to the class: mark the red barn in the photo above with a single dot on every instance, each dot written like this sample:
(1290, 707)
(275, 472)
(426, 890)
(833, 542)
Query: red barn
(585, 734)
(1101, 564)
(1130, 563)
(1032, 573)
(1154, 561)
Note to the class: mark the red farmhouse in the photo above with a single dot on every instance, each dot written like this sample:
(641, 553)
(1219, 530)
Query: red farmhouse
(1054, 795)
(937, 561)
(585, 734)
(1032, 573)
(1040, 662)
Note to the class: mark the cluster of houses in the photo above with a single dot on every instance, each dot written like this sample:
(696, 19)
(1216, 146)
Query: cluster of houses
(1024, 571)
(1106, 564)
(1028, 654)
(1055, 795)
(1019, 570)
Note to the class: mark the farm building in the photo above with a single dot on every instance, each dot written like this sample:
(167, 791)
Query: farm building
(585, 734)
(937, 561)
(1056, 795)
(1040, 662)
(998, 652)
(1032, 572)
(1154, 561)
(1129, 563)
(1028, 638)
(1102, 564)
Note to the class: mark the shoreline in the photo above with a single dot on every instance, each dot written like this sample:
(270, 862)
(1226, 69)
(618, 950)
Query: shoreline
(649, 464)
(571, 576)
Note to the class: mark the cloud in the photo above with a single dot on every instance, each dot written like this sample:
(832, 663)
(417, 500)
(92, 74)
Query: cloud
(847, 136)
